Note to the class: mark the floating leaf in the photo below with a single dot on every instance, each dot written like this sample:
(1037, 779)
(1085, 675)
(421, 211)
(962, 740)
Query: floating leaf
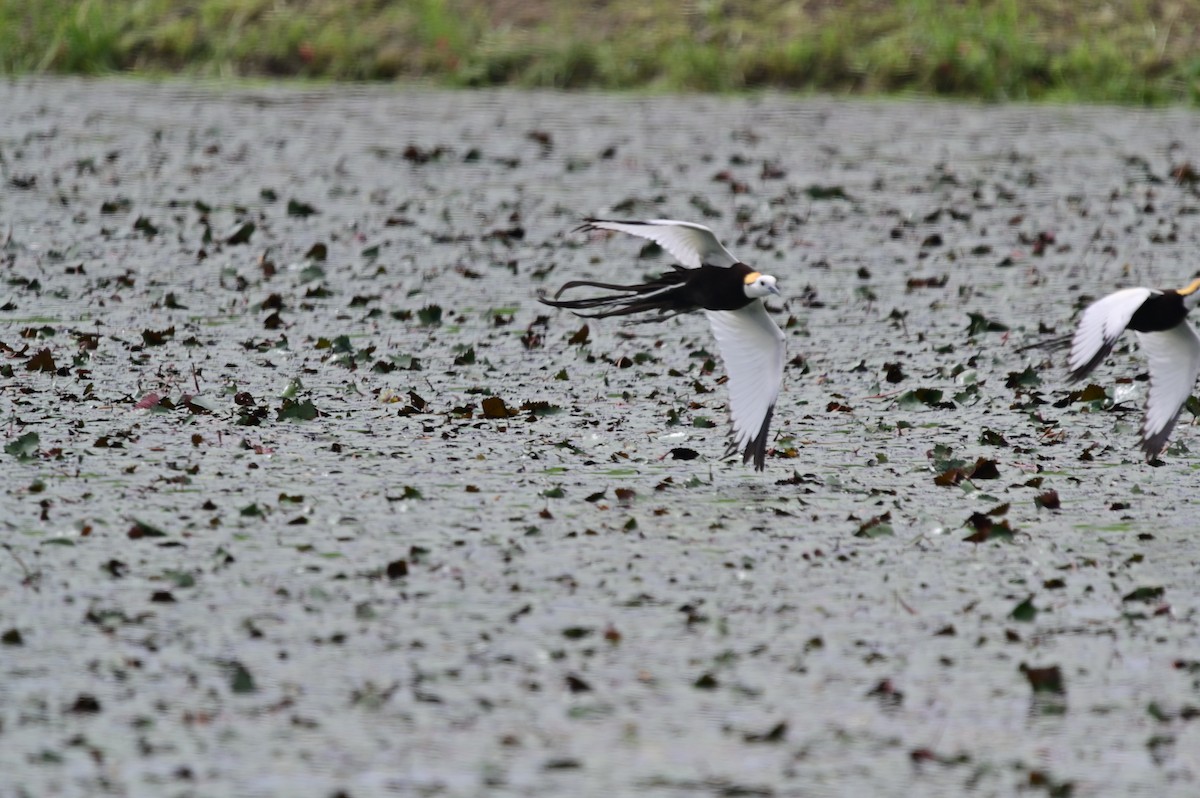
(181, 579)
(816, 192)
(291, 410)
(42, 361)
(990, 437)
(494, 407)
(887, 693)
(24, 448)
(1048, 500)
(1023, 379)
(141, 529)
(301, 209)
(985, 469)
(988, 529)
(1092, 393)
(576, 684)
(580, 336)
(1025, 611)
(927, 282)
(145, 226)
(466, 357)
(981, 324)
(877, 526)
(1144, 594)
(930, 397)
(240, 679)
(119, 205)
(1044, 680)
(148, 401)
(85, 704)
(241, 234)
(953, 475)
(540, 408)
(776, 734)
(157, 337)
(430, 315)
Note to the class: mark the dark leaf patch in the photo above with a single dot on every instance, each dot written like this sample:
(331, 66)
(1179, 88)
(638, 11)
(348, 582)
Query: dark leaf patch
(42, 361)
(157, 337)
(241, 234)
(1144, 594)
(494, 407)
(981, 324)
(927, 397)
(1044, 680)
(1048, 500)
(24, 448)
(877, 526)
(988, 528)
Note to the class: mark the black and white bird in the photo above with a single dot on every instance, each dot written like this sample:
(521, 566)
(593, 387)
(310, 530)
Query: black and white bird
(1172, 347)
(731, 295)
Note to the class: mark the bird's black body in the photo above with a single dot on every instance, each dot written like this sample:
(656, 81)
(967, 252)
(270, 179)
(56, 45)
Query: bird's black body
(671, 293)
(1158, 313)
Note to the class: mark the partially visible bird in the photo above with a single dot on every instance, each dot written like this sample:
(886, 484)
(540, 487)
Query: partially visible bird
(1172, 347)
(729, 292)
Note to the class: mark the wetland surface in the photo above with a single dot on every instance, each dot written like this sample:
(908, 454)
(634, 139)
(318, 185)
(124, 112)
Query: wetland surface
(305, 494)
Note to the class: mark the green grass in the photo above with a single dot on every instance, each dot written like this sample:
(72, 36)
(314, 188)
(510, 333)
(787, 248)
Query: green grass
(1124, 51)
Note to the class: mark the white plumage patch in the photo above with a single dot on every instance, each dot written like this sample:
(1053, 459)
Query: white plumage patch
(1100, 326)
(690, 243)
(752, 347)
(1174, 357)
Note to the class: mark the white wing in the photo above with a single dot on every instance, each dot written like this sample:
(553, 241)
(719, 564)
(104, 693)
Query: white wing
(1174, 357)
(692, 244)
(1100, 326)
(752, 347)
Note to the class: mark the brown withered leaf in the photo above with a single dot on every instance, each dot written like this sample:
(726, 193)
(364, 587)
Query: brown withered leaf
(494, 407)
(1049, 500)
(1044, 680)
(580, 336)
(42, 361)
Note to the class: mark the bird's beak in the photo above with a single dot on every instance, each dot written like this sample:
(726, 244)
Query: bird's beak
(774, 290)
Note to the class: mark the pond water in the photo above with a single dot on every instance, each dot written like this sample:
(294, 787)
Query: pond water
(305, 493)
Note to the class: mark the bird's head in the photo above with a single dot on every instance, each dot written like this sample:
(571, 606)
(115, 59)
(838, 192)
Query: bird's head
(760, 285)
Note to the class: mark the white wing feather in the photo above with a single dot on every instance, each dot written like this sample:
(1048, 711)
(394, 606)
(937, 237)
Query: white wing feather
(692, 244)
(752, 346)
(1100, 326)
(1174, 357)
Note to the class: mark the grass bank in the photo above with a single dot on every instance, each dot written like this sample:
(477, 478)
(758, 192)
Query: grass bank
(1125, 51)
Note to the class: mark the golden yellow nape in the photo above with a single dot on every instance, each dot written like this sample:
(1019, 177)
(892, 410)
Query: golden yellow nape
(1191, 287)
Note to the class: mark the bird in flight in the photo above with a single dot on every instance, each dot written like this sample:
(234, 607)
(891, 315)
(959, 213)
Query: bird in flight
(730, 293)
(1171, 345)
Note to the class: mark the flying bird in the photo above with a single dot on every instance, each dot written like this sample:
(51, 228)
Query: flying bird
(731, 295)
(1172, 347)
